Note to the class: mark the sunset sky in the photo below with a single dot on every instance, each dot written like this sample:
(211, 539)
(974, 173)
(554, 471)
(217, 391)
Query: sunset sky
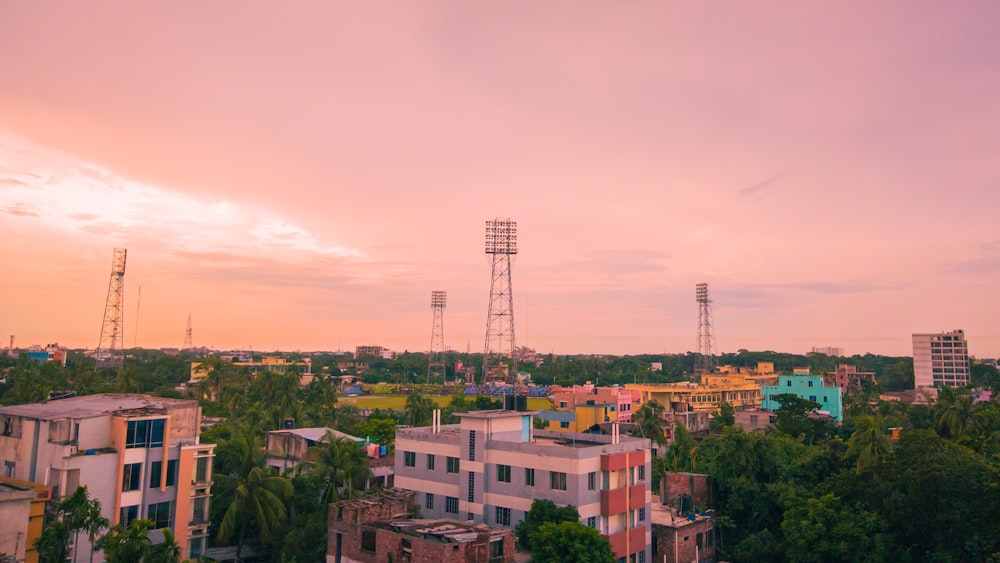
(301, 175)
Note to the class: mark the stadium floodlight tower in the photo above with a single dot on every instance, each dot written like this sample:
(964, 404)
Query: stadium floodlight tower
(435, 359)
(705, 360)
(499, 362)
(111, 347)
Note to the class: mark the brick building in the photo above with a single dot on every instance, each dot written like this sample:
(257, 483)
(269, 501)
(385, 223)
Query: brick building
(381, 528)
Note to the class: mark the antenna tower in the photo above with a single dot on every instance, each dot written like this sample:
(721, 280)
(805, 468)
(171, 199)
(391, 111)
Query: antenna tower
(110, 350)
(499, 362)
(188, 340)
(705, 360)
(435, 359)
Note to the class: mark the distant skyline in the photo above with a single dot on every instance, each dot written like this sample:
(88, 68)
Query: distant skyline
(303, 176)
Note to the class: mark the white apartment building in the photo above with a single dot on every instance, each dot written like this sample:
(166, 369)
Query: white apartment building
(138, 455)
(491, 466)
(940, 359)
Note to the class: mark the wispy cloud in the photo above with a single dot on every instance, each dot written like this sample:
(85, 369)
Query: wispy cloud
(760, 186)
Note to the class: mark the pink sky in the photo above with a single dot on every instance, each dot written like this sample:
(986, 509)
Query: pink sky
(302, 175)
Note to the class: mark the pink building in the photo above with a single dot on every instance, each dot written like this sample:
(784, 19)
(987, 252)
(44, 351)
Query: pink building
(567, 398)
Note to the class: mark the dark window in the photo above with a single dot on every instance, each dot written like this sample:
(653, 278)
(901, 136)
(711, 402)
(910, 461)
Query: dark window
(642, 472)
(429, 501)
(156, 432)
(409, 459)
(529, 476)
(368, 540)
(155, 472)
(810, 384)
(557, 480)
(452, 463)
(503, 473)
(502, 516)
(451, 505)
(172, 472)
(127, 514)
(564, 424)
(496, 548)
(130, 478)
(592, 522)
(144, 433)
(472, 487)
(591, 481)
(788, 383)
(812, 398)
(642, 515)
(430, 461)
(472, 445)
(159, 513)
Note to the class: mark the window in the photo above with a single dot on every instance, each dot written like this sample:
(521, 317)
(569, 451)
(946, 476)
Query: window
(156, 471)
(592, 522)
(642, 472)
(451, 505)
(529, 476)
(640, 556)
(564, 424)
(503, 473)
(472, 487)
(472, 445)
(130, 478)
(557, 480)
(452, 465)
(563, 404)
(825, 399)
(502, 516)
(409, 459)
(496, 548)
(812, 398)
(368, 540)
(642, 514)
(591, 480)
(429, 501)
(127, 514)
(159, 513)
(810, 384)
(144, 433)
(171, 472)
(788, 383)
(430, 462)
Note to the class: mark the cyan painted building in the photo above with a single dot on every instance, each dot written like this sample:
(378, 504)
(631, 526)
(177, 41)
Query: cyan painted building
(807, 387)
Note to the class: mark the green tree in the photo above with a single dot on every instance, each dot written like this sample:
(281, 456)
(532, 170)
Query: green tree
(342, 467)
(868, 442)
(53, 543)
(127, 545)
(74, 509)
(953, 413)
(650, 422)
(725, 415)
(254, 502)
(570, 542)
(167, 551)
(380, 430)
(680, 455)
(418, 410)
(543, 511)
(824, 530)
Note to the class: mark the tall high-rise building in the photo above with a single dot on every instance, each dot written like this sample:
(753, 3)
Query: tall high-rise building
(940, 359)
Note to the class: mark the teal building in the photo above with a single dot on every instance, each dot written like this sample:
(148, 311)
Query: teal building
(809, 387)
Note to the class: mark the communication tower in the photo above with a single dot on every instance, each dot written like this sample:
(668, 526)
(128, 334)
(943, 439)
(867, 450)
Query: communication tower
(110, 350)
(435, 359)
(705, 360)
(188, 340)
(499, 361)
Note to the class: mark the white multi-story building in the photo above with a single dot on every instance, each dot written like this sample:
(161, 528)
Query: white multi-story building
(138, 455)
(940, 359)
(491, 466)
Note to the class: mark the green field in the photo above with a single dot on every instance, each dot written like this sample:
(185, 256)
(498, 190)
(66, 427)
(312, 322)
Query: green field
(398, 402)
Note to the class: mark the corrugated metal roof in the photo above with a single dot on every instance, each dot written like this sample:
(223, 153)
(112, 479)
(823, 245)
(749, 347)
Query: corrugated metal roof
(317, 434)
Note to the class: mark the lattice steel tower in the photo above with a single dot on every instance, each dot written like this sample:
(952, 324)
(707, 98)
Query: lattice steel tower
(188, 335)
(435, 359)
(705, 361)
(499, 362)
(110, 350)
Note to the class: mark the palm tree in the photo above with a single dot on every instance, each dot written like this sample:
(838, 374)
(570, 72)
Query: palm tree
(53, 544)
(953, 413)
(650, 422)
(868, 441)
(342, 466)
(254, 501)
(418, 410)
(166, 552)
(127, 545)
(93, 523)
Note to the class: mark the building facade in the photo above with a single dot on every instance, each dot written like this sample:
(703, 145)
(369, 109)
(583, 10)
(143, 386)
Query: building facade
(940, 360)
(493, 464)
(140, 456)
(811, 387)
(848, 378)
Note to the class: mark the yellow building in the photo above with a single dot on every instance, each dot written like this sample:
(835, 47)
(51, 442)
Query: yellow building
(22, 531)
(580, 419)
(743, 392)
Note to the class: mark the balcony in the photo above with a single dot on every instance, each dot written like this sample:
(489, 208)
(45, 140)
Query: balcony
(616, 501)
(627, 542)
